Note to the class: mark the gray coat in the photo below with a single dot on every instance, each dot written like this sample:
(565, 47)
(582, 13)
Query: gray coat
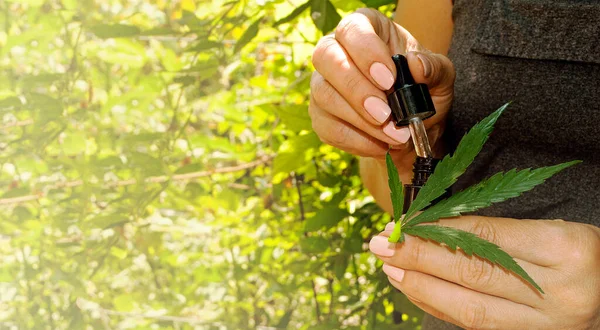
(544, 55)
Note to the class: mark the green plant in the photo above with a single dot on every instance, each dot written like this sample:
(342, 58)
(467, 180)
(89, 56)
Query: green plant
(157, 170)
(497, 188)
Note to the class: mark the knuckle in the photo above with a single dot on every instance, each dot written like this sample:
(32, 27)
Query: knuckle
(572, 240)
(320, 131)
(317, 127)
(353, 83)
(368, 12)
(416, 254)
(473, 315)
(322, 51)
(312, 111)
(556, 230)
(485, 230)
(338, 135)
(584, 246)
(474, 271)
(315, 81)
(346, 27)
(324, 95)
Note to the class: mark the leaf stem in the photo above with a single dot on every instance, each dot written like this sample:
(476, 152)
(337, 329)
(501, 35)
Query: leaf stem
(397, 233)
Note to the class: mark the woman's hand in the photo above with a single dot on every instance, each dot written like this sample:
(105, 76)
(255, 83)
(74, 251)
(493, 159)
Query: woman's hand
(348, 105)
(562, 257)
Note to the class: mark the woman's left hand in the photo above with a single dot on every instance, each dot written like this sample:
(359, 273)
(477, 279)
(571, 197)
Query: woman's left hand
(562, 257)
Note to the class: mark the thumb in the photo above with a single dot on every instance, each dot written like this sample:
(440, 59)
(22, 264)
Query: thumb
(433, 69)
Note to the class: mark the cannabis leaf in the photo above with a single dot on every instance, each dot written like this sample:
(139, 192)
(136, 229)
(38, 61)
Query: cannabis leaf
(396, 192)
(497, 188)
(451, 167)
(396, 188)
(470, 244)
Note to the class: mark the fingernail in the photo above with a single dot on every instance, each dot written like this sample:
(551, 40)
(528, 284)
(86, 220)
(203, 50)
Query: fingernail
(389, 226)
(395, 273)
(380, 246)
(378, 109)
(382, 75)
(426, 64)
(400, 135)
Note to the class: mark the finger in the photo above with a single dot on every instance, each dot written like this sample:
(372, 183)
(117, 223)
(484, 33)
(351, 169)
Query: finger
(342, 135)
(334, 64)
(470, 309)
(329, 100)
(528, 240)
(359, 33)
(429, 310)
(468, 271)
(435, 70)
(438, 73)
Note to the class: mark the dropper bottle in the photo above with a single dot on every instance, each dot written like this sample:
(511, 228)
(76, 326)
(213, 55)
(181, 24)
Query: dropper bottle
(411, 103)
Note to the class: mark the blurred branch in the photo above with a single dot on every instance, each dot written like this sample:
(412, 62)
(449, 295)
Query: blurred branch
(239, 186)
(154, 179)
(167, 318)
(17, 124)
(355, 271)
(156, 317)
(331, 296)
(299, 179)
(317, 308)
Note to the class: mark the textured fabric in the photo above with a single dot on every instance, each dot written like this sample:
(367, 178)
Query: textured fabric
(544, 55)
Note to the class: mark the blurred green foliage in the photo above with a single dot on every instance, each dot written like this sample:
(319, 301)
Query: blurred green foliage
(158, 170)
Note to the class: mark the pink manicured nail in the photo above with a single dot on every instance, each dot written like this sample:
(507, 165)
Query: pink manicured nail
(401, 135)
(380, 246)
(378, 109)
(389, 226)
(382, 75)
(395, 273)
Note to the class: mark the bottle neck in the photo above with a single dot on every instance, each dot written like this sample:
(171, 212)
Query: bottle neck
(422, 170)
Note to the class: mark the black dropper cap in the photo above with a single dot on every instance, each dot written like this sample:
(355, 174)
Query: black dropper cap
(407, 99)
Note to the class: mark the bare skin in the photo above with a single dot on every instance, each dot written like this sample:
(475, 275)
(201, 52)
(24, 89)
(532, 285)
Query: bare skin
(349, 111)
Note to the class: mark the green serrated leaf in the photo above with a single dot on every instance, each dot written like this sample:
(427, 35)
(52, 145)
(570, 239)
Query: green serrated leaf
(248, 35)
(324, 15)
(451, 167)
(396, 188)
(291, 153)
(471, 244)
(397, 195)
(299, 10)
(325, 218)
(497, 188)
(295, 117)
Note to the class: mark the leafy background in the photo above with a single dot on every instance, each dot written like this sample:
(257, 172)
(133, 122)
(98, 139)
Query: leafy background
(158, 170)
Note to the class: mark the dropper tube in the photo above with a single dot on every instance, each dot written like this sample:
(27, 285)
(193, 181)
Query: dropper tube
(419, 137)
(411, 104)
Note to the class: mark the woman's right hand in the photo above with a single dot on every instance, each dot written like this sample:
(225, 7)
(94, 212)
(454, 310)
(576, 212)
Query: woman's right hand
(354, 69)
